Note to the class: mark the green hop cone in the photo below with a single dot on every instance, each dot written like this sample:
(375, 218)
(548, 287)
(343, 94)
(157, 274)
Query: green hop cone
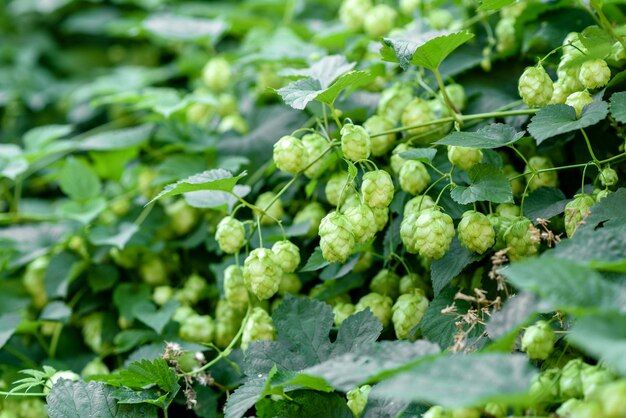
(353, 200)
(92, 328)
(465, 413)
(34, 283)
(216, 74)
(230, 235)
(95, 366)
(259, 327)
(312, 213)
(593, 378)
(287, 254)
(262, 273)
(381, 217)
(380, 306)
(290, 155)
(393, 101)
(517, 184)
(342, 311)
(235, 288)
(408, 312)
(601, 194)
(363, 222)
(440, 19)
(495, 410)
(407, 231)
(276, 211)
(193, 290)
(570, 383)
(383, 143)
(476, 232)
(357, 399)
(182, 217)
(417, 112)
(411, 282)
(153, 271)
(366, 259)
(377, 189)
(578, 101)
(538, 341)
(611, 397)
(545, 386)
(336, 188)
(336, 237)
(521, 239)
(437, 412)
(289, 283)
(561, 90)
(508, 210)
(414, 177)
(505, 36)
(535, 87)
(433, 233)
(386, 283)
(456, 94)
(608, 177)
(396, 161)
(355, 142)
(315, 145)
(568, 408)
(227, 323)
(418, 204)
(379, 20)
(576, 211)
(545, 179)
(594, 74)
(464, 158)
(352, 13)
(408, 7)
(198, 329)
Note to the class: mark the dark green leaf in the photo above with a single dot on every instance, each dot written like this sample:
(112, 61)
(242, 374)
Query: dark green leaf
(78, 180)
(618, 106)
(8, 325)
(544, 203)
(424, 155)
(217, 179)
(117, 139)
(487, 183)
(12, 161)
(147, 313)
(443, 270)
(316, 261)
(145, 373)
(151, 396)
(244, 397)
(489, 5)
(39, 137)
(305, 404)
(117, 236)
(56, 311)
(558, 119)
(495, 135)
(63, 268)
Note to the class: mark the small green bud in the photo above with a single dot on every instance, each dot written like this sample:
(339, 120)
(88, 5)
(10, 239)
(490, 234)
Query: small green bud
(216, 74)
(230, 235)
(538, 340)
(357, 399)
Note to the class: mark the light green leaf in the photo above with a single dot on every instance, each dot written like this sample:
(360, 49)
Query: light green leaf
(495, 135)
(426, 49)
(56, 311)
(443, 270)
(455, 381)
(217, 179)
(492, 5)
(316, 261)
(603, 337)
(558, 119)
(12, 161)
(566, 285)
(84, 211)
(326, 70)
(117, 236)
(596, 43)
(425, 155)
(8, 324)
(39, 137)
(348, 82)
(116, 139)
(184, 28)
(618, 106)
(147, 313)
(79, 181)
(487, 183)
(216, 199)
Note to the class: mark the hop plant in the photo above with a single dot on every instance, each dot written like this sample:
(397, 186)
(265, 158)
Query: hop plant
(357, 399)
(593, 378)
(521, 239)
(230, 235)
(182, 217)
(363, 222)
(437, 412)
(198, 329)
(335, 186)
(612, 398)
(216, 74)
(560, 92)
(544, 179)
(313, 212)
(381, 217)
(289, 283)
(262, 273)
(440, 19)
(464, 158)
(410, 282)
(274, 211)
(287, 254)
(417, 112)
(608, 177)
(594, 74)
(396, 161)
(92, 327)
(355, 142)
(386, 283)
(379, 305)
(508, 210)
(377, 189)
(227, 323)
(538, 341)
(578, 101)
(545, 385)
(393, 101)
(570, 383)
(381, 144)
(576, 211)
(290, 155)
(259, 327)
(433, 233)
(342, 311)
(414, 177)
(535, 86)
(418, 204)
(336, 237)
(517, 184)
(315, 145)
(379, 20)
(407, 231)
(476, 232)
(408, 312)
(153, 271)
(505, 36)
(352, 13)
(456, 94)
(234, 287)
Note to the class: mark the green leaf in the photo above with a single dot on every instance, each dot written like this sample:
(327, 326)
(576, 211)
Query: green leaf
(443, 270)
(558, 119)
(215, 199)
(505, 324)
(12, 161)
(305, 404)
(56, 311)
(487, 183)
(147, 313)
(315, 262)
(39, 137)
(116, 139)
(425, 155)
(348, 82)
(79, 181)
(610, 208)
(326, 70)
(145, 373)
(455, 381)
(597, 44)
(493, 5)
(427, 49)
(244, 397)
(125, 395)
(495, 135)
(82, 211)
(545, 203)
(603, 337)
(8, 325)
(618, 106)
(217, 179)
(77, 399)
(116, 236)
(63, 268)
(566, 285)
(184, 28)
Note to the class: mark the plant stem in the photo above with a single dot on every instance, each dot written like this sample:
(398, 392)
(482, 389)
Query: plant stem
(54, 342)
(22, 394)
(593, 156)
(518, 152)
(606, 24)
(453, 110)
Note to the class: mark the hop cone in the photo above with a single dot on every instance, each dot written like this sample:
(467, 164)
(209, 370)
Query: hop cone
(535, 87)
(290, 155)
(594, 74)
(538, 340)
(363, 222)
(262, 273)
(355, 142)
(433, 233)
(413, 177)
(259, 327)
(377, 189)
(337, 237)
(476, 232)
(234, 287)
(464, 158)
(521, 239)
(383, 143)
(576, 211)
(230, 235)
(407, 312)
(287, 255)
(379, 305)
